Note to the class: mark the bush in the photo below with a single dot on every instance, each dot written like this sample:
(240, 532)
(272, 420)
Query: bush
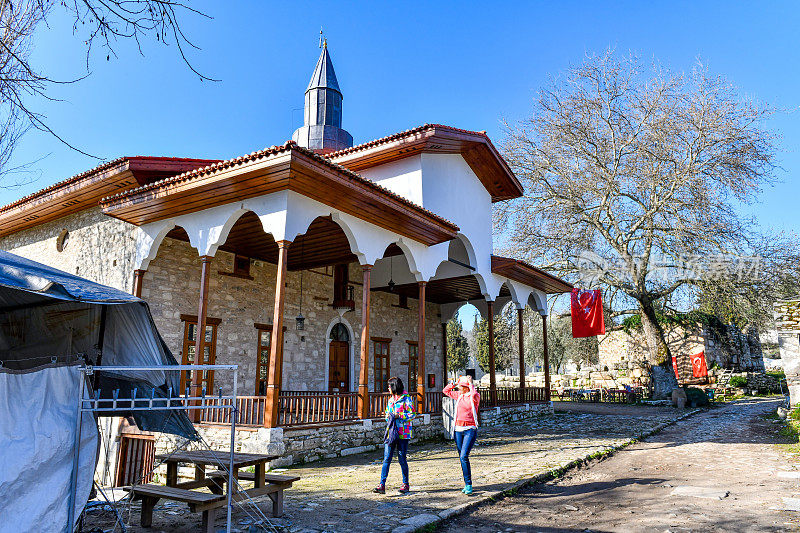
(739, 382)
(696, 397)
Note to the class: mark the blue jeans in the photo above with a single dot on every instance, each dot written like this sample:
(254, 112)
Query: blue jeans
(464, 442)
(401, 445)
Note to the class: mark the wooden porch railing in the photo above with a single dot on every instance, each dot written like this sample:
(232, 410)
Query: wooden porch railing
(250, 411)
(307, 407)
(512, 396)
(297, 409)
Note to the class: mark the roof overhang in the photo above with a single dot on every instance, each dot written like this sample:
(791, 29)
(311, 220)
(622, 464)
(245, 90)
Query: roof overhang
(529, 275)
(86, 189)
(279, 168)
(475, 147)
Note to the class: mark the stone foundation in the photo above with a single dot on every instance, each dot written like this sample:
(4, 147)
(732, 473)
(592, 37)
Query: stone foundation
(308, 444)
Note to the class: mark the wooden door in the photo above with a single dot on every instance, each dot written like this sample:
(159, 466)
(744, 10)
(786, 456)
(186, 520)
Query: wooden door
(339, 367)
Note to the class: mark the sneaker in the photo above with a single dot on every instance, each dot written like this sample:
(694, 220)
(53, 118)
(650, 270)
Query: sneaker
(380, 489)
(403, 488)
(467, 490)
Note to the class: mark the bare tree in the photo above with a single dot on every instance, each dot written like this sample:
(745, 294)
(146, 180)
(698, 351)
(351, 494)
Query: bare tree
(635, 171)
(95, 21)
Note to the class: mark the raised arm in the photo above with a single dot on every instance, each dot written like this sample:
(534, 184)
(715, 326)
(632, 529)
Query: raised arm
(449, 392)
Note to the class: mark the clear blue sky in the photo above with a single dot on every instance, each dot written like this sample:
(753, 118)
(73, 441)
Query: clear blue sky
(466, 64)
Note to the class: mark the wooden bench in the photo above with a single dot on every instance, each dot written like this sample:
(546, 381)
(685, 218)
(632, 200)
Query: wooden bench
(198, 502)
(273, 486)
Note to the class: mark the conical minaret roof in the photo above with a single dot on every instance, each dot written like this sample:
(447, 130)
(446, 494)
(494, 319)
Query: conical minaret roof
(322, 118)
(324, 76)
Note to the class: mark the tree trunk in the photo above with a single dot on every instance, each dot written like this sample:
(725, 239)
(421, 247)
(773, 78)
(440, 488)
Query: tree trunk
(654, 333)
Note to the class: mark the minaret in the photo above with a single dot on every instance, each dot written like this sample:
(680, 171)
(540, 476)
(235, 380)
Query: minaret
(322, 123)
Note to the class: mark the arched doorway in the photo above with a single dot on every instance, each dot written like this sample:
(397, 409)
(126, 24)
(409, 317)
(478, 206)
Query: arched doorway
(339, 359)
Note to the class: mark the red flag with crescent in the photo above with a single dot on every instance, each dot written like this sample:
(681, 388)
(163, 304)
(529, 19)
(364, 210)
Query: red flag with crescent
(699, 369)
(587, 313)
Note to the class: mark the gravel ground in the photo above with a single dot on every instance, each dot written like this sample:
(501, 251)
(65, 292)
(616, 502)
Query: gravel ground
(719, 470)
(335, 495)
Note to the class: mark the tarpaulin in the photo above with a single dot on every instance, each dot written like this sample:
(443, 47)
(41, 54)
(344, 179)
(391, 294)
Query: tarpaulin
(39, 415)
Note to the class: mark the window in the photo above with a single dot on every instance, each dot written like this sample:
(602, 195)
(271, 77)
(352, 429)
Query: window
(412, 366)
(381, 374)
(241, 266)
(62, 240)
(209, 352)
(264, 332)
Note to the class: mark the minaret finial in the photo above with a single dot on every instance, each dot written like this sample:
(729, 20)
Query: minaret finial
(322, 122)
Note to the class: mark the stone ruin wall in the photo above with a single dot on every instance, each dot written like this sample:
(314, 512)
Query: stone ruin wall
(787, 318)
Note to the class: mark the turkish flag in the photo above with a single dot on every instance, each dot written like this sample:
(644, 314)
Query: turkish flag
(699, 369)
(587, 313)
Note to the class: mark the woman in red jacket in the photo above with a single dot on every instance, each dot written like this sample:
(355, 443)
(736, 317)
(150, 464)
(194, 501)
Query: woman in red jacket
(466, 428)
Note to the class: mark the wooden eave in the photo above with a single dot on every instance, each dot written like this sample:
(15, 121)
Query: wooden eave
(85, 190)
(529, 275)
(475, 147)
(281, 168)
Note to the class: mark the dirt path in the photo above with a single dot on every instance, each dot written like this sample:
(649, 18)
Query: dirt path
(716, 471)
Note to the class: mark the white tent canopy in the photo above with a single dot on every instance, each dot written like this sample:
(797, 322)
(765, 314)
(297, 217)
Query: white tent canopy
(52, 322)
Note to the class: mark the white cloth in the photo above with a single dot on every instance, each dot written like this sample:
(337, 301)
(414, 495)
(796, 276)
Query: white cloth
(38, 420)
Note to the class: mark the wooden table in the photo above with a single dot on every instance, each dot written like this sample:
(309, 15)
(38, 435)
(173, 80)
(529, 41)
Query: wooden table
(203, 458)
(271, 485)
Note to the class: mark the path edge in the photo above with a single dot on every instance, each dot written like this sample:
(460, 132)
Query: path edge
(543, 477)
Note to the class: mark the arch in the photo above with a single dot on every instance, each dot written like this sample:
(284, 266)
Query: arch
(351, 352)
(468, 249)
(148, 240)
(538, 302)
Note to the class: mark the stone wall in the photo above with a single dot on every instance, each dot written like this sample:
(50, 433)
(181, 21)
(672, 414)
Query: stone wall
(787, 319)
(302, 445)
(171, 287)
(99, 248)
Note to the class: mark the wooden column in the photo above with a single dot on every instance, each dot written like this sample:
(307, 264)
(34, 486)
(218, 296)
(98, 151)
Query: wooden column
(546, 358)
(444, 354)
(138, 276)
(363, 374)
(492, 380)
(200, 333)
(521, 350)
(421, 349)
(272, 403)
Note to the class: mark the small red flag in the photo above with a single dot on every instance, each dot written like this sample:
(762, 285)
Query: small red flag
(699, 369)
(587, 313)
(675, 366)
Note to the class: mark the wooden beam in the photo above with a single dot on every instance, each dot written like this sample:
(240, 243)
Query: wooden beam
(546, 358)
(363, 374)
(492, 379)
(521, 350)
(138, 276)
(421, 349)
(276, 344)
(200, 333)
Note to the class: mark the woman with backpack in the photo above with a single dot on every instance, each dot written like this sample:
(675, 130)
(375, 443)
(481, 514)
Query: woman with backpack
(466, 423)
(399, 412)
